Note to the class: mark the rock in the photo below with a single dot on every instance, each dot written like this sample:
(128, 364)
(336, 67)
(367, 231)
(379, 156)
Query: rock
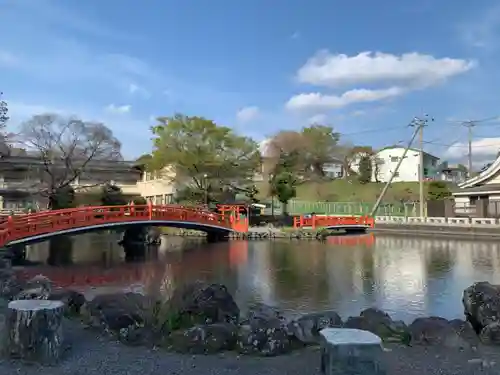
(39, 287)
(10, 285)
(199, 303)
(34, 331)
(306, 328)
(204, 338)
(465, 331)
(490, 335)
(264, 332)
(124, 315)
(482, 304)
(381, 324)
(436, 331)
(260, 313)
(153, 236)
(72, 299)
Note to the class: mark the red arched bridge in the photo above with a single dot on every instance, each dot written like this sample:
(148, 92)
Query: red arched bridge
(20, 229)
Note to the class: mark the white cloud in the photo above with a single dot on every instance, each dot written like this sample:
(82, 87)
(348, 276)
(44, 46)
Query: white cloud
(410, 69)
(320, 118)
(248, 114)
(134, 89)
(482, 149)
(122, 109)
(322, 101)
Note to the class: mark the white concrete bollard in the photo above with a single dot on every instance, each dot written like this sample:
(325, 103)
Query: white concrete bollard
(351, 351)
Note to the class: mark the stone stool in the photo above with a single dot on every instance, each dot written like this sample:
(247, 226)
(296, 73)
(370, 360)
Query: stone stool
(350, 352)
(33, 331)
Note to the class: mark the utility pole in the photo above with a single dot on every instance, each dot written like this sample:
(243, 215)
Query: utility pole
(418, 124)
(469, 124)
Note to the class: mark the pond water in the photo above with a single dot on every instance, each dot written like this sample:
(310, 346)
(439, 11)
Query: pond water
(407, 277)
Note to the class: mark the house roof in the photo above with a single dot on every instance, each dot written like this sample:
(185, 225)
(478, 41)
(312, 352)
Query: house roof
(488, 173)
(479, 190)
(410, 149)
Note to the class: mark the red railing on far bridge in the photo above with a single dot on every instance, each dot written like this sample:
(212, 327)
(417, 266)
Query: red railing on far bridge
(314, 221)
(31, 225)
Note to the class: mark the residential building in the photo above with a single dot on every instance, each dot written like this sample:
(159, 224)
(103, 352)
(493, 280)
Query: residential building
(157, 187)
(335, 169)
(22, 175)
(451, 173)
(483, 189)
(386, 160)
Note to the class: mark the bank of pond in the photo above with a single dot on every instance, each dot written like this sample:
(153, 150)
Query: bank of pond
(203, 318)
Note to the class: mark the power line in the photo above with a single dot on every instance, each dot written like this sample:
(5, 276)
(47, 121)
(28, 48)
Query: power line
(462, 145)
(469, 124)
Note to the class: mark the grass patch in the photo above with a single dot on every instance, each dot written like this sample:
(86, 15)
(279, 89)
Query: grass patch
(343, 190)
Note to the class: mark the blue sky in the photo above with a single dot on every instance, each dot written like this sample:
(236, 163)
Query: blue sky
(365, 67)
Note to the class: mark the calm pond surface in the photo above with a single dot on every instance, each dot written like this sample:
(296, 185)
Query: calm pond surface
(407, 277)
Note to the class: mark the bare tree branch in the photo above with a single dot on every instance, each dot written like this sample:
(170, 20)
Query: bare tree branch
(66, 148)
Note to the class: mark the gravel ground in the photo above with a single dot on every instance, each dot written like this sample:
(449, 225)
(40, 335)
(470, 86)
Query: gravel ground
(94, 355)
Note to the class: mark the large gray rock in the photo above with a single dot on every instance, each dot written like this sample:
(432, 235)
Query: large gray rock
(39, 287)
(128, 316)
(490, 335)
(436, 331)
(306, 328)
(199, 303)
(264, 332)
(482, 304)
(381, 324)
(72, 299)
(203, 339)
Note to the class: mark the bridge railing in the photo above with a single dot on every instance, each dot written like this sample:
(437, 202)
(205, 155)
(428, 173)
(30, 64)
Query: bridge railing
(22, 226)
(315, 221)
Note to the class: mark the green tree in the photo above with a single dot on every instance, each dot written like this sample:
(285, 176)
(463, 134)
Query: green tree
(203, 155)
(283, 186)
(438, 190)
(112, 195)
(354, 154)
(63, 197)
(321, 147)
(307, 151)
(365, 169)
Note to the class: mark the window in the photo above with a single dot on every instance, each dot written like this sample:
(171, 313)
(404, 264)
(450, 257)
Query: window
(396, 174)
(394, 159)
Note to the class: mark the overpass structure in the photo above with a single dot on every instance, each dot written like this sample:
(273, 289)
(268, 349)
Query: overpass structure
(24, 229)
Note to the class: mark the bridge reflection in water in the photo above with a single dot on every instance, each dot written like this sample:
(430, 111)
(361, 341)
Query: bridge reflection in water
(405, 276)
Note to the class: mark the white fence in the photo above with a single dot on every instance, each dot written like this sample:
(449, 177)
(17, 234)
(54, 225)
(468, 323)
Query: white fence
(438, 221)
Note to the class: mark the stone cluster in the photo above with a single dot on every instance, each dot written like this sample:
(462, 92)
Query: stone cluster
(203, 318)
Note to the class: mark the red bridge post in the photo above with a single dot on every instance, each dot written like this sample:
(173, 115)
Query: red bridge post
(150, 210)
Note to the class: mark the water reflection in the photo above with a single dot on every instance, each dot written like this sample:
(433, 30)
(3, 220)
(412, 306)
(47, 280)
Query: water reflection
(407, 277)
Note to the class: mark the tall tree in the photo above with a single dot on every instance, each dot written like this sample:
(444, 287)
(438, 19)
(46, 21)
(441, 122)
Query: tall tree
(66, 148)
(321, 147)
(4, 110)
(206, 157)
(309, 149)
(283, 186)
(353, 156)
(365, 169)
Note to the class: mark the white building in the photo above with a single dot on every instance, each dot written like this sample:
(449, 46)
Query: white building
(386, 160)
(484, 188)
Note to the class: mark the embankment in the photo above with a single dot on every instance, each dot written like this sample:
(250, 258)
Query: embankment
(491, 232)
